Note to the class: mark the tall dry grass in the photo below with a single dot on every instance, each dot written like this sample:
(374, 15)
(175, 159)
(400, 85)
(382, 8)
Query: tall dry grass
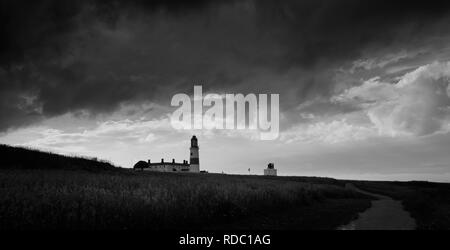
(59, 199)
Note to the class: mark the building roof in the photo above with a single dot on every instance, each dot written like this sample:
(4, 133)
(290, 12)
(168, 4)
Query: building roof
(168, 163)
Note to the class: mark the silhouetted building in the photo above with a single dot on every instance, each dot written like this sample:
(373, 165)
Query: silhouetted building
(195, 162)
(185, 166)
(270, 170)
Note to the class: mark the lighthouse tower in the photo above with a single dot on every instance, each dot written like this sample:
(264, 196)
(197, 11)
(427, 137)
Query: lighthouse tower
(194, 164)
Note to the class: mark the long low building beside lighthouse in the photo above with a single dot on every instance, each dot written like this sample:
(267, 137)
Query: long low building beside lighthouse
(185, 166)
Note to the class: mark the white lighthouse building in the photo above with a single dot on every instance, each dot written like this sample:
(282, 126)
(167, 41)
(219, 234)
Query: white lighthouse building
(194, 165)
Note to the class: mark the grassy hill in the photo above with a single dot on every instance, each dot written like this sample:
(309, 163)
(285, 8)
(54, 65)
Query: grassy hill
(62, 199)
(23, 158)
(41, 190)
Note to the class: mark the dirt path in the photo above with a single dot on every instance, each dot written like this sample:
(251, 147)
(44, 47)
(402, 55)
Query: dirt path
(385, 214)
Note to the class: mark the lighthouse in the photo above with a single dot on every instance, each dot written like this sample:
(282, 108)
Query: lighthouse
(194, 160)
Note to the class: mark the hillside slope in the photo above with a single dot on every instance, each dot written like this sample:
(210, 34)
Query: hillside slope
(22, 158)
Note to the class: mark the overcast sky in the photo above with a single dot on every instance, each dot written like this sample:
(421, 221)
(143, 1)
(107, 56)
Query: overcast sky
(364, 85)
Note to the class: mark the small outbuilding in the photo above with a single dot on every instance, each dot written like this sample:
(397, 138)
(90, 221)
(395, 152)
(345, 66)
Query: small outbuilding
(270, 170)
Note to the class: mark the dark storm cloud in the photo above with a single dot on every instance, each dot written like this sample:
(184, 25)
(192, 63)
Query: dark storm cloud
(64, 56)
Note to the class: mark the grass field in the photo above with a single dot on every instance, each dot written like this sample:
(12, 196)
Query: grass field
(428, 203)
(40, 190)
(67, 199)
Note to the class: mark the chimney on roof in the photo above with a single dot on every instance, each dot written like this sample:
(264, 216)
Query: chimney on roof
(173, 160)
(162, 160)
(149, 161)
